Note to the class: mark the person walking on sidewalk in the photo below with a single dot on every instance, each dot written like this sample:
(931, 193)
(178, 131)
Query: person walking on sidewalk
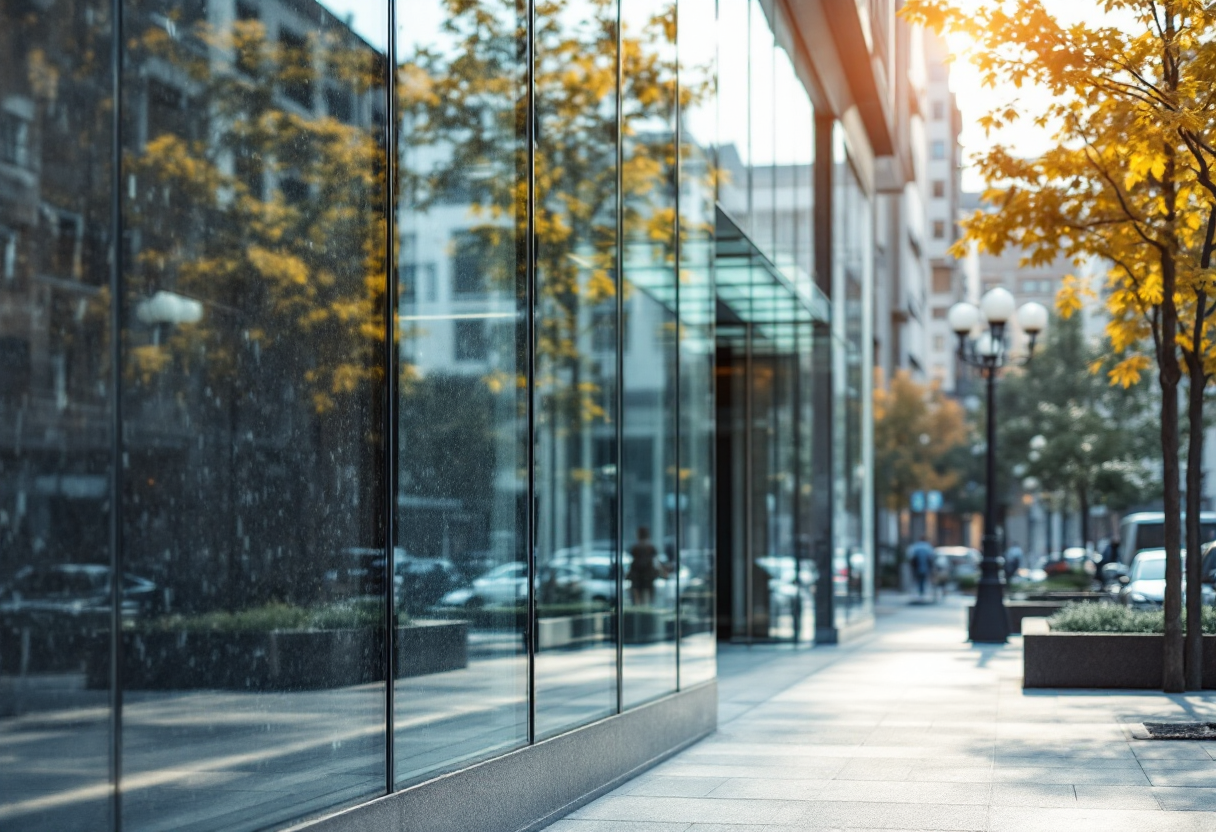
(920, 558)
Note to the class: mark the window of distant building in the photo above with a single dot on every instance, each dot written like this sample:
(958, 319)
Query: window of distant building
(943, 280)
(939, 342)
(297, 68)
(939, 229)
(471, 341)
(939, 188)
(939, 313)
(938, 149)
(471, 252)
(939, 110)
(14, 140)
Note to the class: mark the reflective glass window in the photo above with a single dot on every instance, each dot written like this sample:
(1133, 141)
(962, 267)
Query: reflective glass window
(56, 409)
(461, 686)
(577, 303)
(762, 122)
(733, 139)
(695, 495)
(852, 563)
(649, 399)
(253, 309)
(787, 154)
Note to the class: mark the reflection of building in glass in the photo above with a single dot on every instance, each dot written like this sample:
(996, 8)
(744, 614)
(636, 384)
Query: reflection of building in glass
(430, 405)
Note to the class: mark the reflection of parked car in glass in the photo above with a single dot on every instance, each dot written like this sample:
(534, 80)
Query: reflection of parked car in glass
(76, 589)
(505, 585)
(418, 582)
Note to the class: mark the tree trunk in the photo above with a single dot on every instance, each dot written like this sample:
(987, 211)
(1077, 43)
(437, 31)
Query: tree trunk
(1173, 675)
(1194, 489)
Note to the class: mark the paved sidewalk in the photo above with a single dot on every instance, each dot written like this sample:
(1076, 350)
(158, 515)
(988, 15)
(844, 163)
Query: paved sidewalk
(915, 729)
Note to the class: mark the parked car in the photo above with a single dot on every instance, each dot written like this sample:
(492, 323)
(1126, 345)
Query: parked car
(1074, 559)
(418, 582)
(76, 590)
(1144, 587)
(957, 561)
(1146, 530)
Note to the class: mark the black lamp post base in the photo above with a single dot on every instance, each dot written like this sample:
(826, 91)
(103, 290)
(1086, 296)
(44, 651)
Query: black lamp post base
(990, 622)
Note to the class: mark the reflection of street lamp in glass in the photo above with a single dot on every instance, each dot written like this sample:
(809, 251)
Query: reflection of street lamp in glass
(989, 353)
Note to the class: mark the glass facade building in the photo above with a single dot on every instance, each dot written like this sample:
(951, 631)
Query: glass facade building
(392, 386)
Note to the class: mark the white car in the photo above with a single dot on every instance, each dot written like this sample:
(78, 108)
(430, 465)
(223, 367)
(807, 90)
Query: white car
(1145, 585)
(505, 585)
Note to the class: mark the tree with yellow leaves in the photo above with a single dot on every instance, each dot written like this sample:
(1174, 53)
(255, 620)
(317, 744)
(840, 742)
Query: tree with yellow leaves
(1129, 182)
(916, 426)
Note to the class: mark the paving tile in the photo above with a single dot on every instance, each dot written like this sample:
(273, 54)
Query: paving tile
(576, 825)
(1100, 776)
(1116, 797)
(908, 792)
(829, 814)
(1188, 800)
(1044, 795)
(691, 810)
(1183, 777)
(1169, 750)
(980, 772)
(657, 785)
(744, 788)
(1014, 819)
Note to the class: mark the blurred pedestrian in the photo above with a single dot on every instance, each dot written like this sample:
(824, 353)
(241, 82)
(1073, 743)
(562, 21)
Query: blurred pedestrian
(1013, 561)
(920, 558)
(1110, 553)
(644, 569)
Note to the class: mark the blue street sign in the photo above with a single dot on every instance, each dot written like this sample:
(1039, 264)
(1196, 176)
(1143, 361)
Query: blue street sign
(918, 501)
(934, 500)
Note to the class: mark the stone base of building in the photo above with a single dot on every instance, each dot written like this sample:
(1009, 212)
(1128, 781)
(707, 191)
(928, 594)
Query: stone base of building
(530, 788)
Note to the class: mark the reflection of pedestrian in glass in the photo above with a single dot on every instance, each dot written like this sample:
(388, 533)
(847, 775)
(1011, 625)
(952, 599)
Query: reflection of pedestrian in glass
(920, 558)
(644, 569)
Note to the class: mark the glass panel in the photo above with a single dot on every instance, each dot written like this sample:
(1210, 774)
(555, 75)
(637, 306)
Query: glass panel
(762, 126)
(462, 492)
(788, 91)
(56, 411)
(803, 118)
(577, 318)
(254, 211)
(734, 145)
(852, 558)
(695, 532)
(649, 508)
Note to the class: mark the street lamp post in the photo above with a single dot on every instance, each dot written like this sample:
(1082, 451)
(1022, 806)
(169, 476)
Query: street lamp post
(989, 353)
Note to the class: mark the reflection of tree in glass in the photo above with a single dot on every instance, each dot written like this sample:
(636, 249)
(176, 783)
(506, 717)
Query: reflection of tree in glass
(268, 213)
(242, 197)
(469, 101)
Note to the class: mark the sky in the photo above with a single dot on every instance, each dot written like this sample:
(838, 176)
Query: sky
(975, 100)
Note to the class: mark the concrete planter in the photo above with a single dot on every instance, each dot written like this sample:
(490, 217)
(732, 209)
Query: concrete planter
(1019, 610)
(571, 630)
(648, 626)
(1099, 660)
(279, 660)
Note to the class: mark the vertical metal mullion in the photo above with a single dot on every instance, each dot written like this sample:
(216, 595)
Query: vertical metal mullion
(530, 312)
(679, 247)
(749, 466)
(620, 368)
(116, 421)
(797, 425)
(389, 410)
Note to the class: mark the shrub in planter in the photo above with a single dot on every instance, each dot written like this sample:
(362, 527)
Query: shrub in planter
(1111, 618)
